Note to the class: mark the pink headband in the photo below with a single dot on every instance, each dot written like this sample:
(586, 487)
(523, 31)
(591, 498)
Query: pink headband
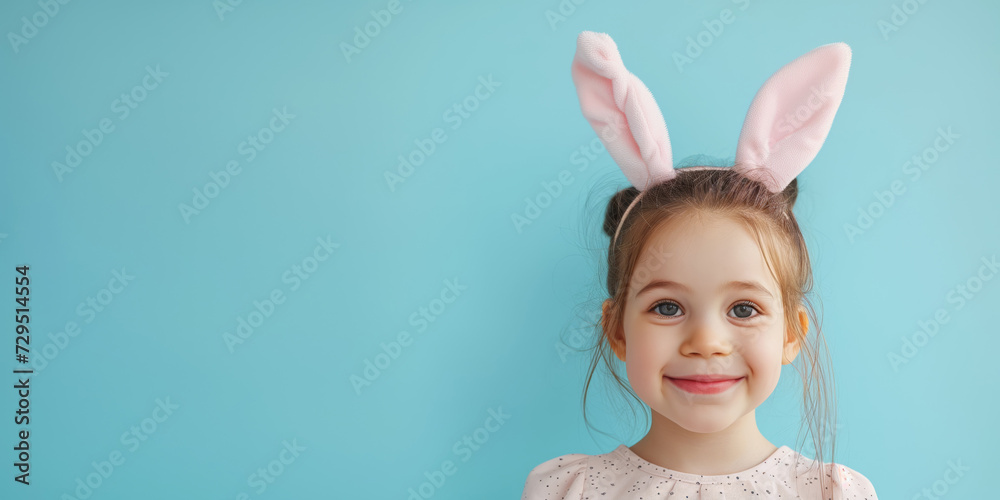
(784, 129)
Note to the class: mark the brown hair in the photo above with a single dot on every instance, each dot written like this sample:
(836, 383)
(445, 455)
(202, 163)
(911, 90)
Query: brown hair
(768, 217)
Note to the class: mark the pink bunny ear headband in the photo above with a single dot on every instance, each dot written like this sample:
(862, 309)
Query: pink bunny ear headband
(785, 127)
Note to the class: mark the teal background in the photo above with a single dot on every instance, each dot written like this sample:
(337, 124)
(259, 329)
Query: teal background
(495, 346)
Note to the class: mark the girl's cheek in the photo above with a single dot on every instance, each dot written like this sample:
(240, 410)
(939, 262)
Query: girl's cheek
(764, 354)
(653, 343)
(759, 338)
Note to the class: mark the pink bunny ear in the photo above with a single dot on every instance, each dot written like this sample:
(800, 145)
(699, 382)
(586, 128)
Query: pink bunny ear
(622, 111)
(791, 115)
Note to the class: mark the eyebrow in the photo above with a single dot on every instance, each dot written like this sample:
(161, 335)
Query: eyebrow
(737, 285)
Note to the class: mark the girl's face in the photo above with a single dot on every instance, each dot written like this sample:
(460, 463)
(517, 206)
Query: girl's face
(702, 302)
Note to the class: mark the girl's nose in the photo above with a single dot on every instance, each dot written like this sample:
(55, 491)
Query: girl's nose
(706, 337)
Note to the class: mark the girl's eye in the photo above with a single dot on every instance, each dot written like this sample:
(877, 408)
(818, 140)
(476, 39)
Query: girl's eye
(744, 310)
(745, 307)
(665, 308)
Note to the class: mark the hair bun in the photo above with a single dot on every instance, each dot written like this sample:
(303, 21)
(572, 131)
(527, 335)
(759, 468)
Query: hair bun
(616, 208)
(791, 192)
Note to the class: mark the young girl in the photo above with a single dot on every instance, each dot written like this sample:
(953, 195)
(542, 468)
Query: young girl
(707, 280)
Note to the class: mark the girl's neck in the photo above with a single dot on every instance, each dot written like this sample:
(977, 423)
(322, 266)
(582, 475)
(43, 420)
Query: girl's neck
(739, 447)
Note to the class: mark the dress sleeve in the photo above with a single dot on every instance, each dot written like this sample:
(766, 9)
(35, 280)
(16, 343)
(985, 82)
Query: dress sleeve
(561, 478)
(849, 484)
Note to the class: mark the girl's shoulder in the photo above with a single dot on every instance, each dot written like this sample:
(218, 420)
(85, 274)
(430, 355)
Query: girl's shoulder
(845, 482)
(848, 484)
(562, 477)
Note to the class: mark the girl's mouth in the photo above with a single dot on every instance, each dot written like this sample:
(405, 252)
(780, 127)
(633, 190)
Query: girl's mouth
(704, 387)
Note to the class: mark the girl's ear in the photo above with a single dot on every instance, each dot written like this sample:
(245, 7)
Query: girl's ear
(792, 345)
(613, 333)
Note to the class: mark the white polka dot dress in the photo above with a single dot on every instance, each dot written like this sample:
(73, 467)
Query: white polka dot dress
(621, 474)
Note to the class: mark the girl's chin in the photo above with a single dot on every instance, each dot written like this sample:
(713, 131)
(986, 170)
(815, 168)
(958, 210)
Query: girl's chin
(703, 419)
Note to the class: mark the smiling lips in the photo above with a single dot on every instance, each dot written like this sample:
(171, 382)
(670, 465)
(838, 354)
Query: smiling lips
(705, 384)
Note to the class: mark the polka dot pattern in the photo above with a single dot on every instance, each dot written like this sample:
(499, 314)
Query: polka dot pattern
(621, 474)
